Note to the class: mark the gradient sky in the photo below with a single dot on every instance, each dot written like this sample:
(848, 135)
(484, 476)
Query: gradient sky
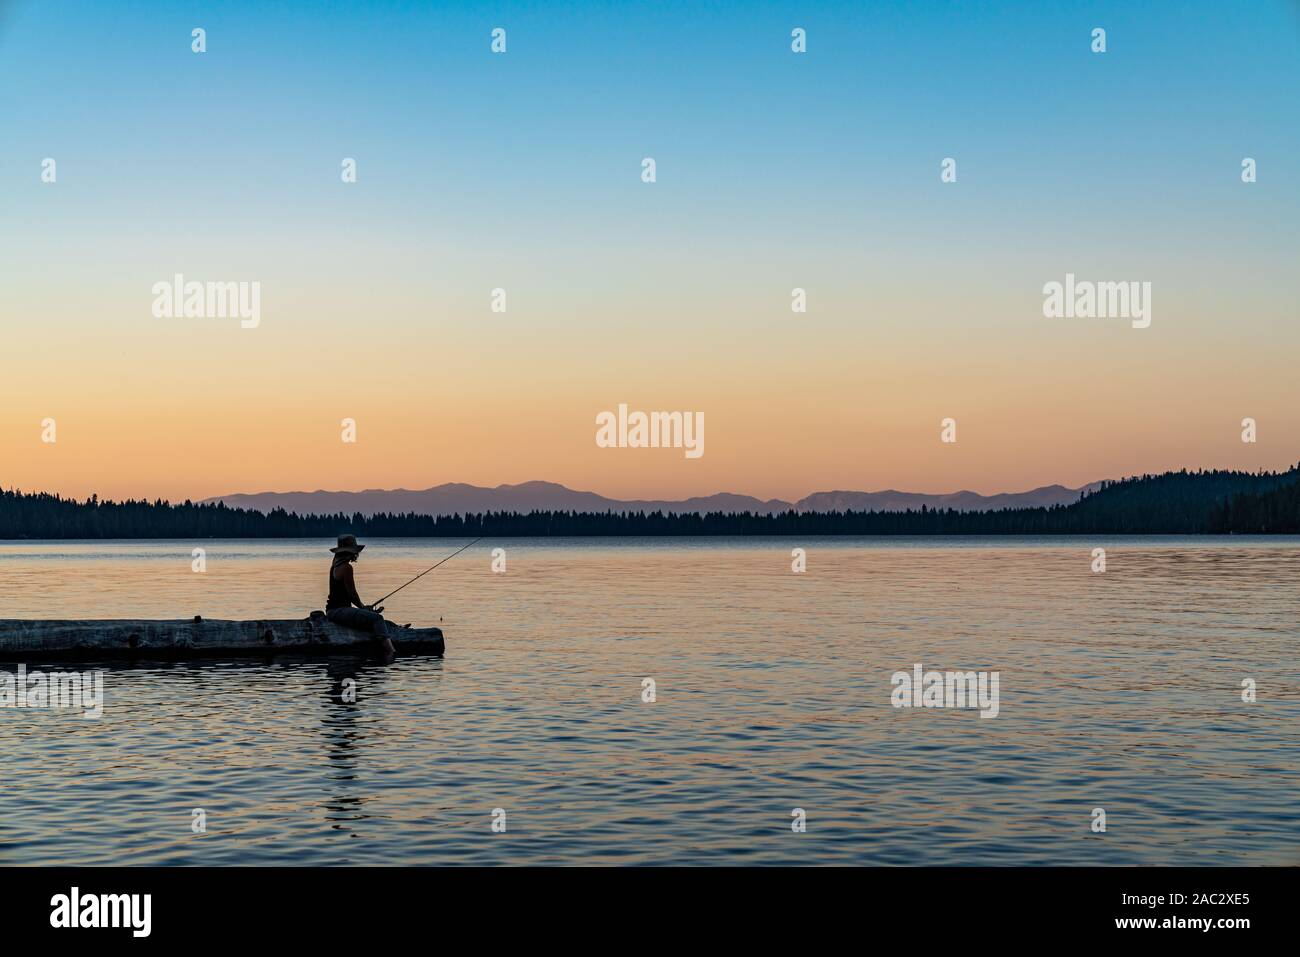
(522, 171)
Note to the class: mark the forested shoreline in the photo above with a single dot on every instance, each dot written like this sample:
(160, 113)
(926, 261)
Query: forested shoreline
(1184, 502)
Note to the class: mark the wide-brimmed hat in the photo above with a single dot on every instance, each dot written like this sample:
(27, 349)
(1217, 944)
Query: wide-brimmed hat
(348, 544)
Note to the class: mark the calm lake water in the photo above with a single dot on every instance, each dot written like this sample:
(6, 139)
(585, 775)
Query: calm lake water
(1119, 690)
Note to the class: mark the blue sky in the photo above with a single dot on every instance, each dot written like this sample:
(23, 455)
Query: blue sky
(737, 122)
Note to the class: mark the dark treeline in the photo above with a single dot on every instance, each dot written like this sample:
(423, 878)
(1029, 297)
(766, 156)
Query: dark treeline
(1172, 503)
(1276, 510)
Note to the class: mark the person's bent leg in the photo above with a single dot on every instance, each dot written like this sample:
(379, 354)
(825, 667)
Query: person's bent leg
(363, 619)
(377, 627)
(381, 632)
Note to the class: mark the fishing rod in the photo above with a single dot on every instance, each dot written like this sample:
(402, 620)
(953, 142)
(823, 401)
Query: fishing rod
(427, 570)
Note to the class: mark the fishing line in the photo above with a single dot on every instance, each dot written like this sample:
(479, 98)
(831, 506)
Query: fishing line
(427, 570)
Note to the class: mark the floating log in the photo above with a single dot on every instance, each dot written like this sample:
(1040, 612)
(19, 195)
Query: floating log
(198, 637)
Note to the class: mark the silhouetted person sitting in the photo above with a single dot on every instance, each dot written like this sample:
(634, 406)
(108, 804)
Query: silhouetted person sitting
(344, 606)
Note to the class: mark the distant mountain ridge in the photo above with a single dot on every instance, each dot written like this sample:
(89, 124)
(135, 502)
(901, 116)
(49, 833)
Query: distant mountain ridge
(964, 501)
(1200, 502)
(458, 498)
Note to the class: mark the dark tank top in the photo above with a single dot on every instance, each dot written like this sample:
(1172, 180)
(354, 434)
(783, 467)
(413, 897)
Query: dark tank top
(338, 596)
